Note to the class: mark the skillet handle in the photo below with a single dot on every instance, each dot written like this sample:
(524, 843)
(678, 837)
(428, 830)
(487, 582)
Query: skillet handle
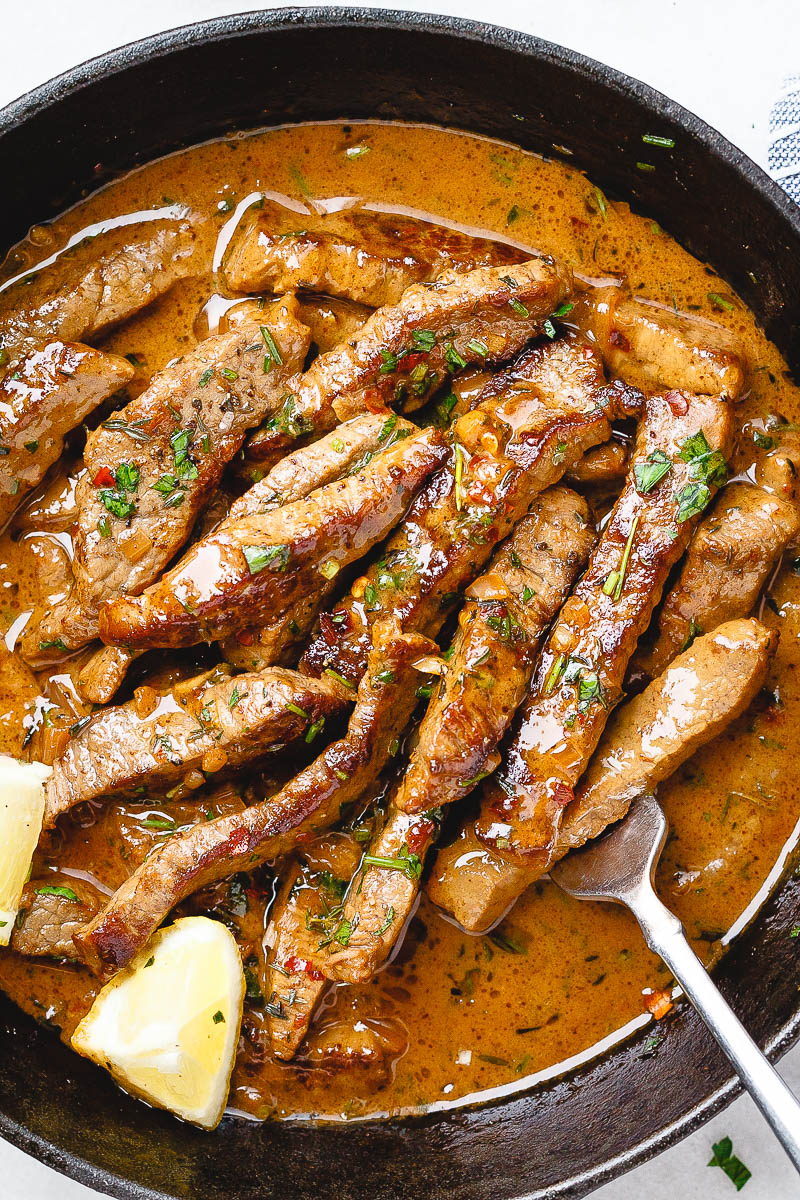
(665, 935)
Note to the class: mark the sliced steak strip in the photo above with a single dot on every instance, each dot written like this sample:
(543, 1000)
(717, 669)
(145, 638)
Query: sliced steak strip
(487, 677)
(729, 560)
(53, 909)
(603, 465)
(256, 567)
(677, 463)
(306, 806)
(404, 352)
(538, 417)
(506, 611)
(305, 916)
(49, 393)
(345, 450)
(156, 465)
(367, 257)
(95, 284)
(656, 348)
(645, 741)
(103, 674)
(156, 741)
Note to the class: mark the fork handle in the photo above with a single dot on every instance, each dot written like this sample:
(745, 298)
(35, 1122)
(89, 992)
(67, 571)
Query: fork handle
(665, 935)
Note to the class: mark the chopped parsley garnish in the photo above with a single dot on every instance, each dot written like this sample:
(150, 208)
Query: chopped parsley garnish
(258, 558)
(234, 697)
(104, 527)
(127, 477)
(117, 504)
(424, 340)
(180, 441)
(454, 360)
(388, 427)
(654, 139)
(218, 1018)
(650, 472)
(409, 864)
(549, 329)
(387, 922)
(564, 309)
(52, 890)
(733, 1167)
(720, 301)
(343, 931)
(32, 447)
(273, 358)
(54, 643)
(476, 346)
(206, 377)
(707, 468)
(519, 308)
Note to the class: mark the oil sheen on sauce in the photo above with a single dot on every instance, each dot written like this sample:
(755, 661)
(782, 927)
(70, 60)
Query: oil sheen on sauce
(459, 1015)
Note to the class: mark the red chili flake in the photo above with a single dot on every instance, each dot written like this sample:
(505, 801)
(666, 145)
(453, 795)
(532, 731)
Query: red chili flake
(374, 401)
(295, 965)
(104, 478)
(409, 361)
(619, 340)
(328, 629)
(562, 793)
(658, 1003)
(678, 404)
(419, 834)
(245, 637)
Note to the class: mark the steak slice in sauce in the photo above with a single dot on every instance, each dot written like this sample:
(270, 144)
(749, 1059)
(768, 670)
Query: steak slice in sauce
(486, 678)
(404, 352)
(656, 348)
(53, 909)
(340, 453)
(538, 417)
(505, 613)
(305, 807)
(647, 739)
(729, 560)
(157, 741)
(99, 282)
(48, 394)
(678, 461)
(706, 688)
(256, 567)
(367, 257)
(156, 464)
(306, 914)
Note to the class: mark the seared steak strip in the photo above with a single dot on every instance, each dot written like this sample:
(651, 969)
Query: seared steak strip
(655, 348)
(645, 741)
(729, 560)
(156, 741)
(368, 257)
(95, 284)
(307, 805)
(605, 464)
(156, 464)
(538, 418)
(505, 613)
(343, 451)
(486, 678)
(49, 393)
(677, 464)
(53, 909)
(254, 568)
(304, 918)
(403, 353)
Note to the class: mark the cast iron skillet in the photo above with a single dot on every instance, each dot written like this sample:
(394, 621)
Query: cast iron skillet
(564, 1138)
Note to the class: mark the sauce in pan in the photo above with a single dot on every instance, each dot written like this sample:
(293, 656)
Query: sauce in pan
(454, 1015)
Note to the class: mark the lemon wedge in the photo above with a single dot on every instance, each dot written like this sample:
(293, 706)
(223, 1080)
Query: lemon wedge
(21, 814)
(167, 1026)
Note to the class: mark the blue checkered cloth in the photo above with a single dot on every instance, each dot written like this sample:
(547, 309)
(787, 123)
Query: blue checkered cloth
(784, 138)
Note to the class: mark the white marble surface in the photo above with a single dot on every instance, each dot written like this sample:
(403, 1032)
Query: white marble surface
(721, 58)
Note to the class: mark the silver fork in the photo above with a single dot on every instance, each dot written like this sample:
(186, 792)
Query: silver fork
(620, 866)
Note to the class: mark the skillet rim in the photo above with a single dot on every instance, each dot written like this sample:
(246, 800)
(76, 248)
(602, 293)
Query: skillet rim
(218, 29)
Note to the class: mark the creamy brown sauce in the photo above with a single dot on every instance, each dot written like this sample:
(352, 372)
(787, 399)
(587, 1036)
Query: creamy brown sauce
(461, 1014)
